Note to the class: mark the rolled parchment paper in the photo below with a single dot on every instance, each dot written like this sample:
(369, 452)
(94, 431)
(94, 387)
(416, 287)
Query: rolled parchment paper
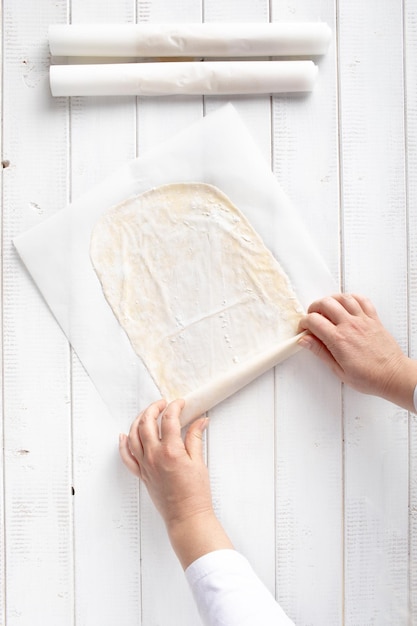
(167, 40)
(185, 78)
(217, 390)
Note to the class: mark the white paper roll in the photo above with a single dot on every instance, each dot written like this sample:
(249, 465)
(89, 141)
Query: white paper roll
(166, 40)
(160, 79)
(205, 398)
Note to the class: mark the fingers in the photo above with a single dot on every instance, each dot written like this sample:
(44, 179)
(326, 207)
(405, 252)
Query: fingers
(339, 306)
(144, 430)
(356, 304)
(367, 306)
(143, 433)
(194, 437)
(319, 325)
(144, 437)
(325, 315)
(127, 457)
(170, 422)
(350, 303)
(336, 308)
(318, 348)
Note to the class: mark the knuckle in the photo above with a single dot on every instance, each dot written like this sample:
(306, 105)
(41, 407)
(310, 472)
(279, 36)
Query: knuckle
(132, 445)
(170, 453)
(346, 297)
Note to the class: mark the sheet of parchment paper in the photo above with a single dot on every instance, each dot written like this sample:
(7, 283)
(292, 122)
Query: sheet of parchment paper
(183, 78)
(227, 39)
(217, 150)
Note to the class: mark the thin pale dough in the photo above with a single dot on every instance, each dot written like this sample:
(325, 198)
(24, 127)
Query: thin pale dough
(192, 284)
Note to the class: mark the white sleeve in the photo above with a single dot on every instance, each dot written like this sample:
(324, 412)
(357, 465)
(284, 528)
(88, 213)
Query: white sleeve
(229, 593)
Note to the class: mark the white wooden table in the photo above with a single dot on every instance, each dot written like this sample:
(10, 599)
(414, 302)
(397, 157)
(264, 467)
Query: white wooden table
(316, 485)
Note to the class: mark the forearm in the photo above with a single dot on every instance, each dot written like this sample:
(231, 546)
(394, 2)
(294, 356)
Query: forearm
(196, 536)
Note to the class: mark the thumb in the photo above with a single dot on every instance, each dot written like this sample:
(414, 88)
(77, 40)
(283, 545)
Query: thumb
(194, 437)
(318, 348)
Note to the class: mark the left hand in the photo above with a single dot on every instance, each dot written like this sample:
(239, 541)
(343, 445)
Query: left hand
(173, 471)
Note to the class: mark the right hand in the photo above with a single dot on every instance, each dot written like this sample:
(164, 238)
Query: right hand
(347, 334)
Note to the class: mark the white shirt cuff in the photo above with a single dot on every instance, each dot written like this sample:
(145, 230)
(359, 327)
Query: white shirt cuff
(229, 593)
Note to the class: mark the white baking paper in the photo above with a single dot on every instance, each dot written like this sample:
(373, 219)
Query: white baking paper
(190, 40)
(183, 78)
(217, 150)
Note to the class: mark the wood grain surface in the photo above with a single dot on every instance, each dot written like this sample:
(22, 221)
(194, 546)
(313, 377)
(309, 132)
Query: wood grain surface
(316, 484)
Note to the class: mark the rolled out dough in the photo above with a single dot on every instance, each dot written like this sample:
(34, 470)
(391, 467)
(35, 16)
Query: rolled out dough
(192, 284)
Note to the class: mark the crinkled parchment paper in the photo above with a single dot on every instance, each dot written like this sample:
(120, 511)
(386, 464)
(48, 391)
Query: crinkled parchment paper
(217, 150)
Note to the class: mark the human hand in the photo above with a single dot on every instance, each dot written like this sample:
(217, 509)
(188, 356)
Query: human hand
(173, 471)
(176, 477)
(347, 334)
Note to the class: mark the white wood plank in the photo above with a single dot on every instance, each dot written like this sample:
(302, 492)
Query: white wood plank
(241, 462)
(159, 119)
(235, 11)
(306, 138)
(308, 399)
(241, 434)
(37, 459)
(410, 43)
(2, 534)
(106, 525)
(374, 229)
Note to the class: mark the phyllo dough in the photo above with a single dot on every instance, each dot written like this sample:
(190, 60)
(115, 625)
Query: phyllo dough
(191, 283)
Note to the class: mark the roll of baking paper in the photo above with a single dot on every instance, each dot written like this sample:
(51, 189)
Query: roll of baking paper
(166, 40)
(160, 79)
(217, 390)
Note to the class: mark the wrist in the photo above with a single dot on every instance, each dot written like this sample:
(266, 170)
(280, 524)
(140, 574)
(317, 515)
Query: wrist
(401, 384)
(198, 534)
